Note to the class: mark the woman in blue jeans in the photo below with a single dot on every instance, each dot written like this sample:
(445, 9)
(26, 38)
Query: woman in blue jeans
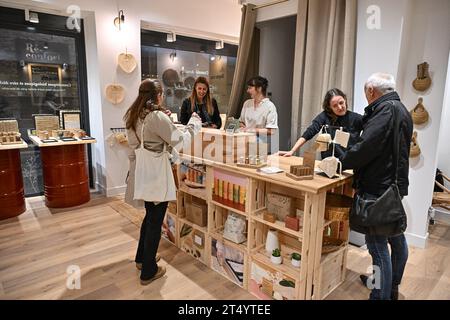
(387, 266)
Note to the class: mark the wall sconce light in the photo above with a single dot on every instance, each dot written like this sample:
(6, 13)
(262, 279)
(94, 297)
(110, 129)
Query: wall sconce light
(31, 16)
(219, 44)
(119, 21)
(65, 66)
(171, 37)
(213, 57)
(45, 46)
(173, 56)
(22, 63)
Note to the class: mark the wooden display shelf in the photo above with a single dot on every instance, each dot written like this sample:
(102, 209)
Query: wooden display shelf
(196, 192)
(285, 267)
(319, 274)
(59, 143)
(12, 146)
(194, 185)
(229, 208)
(218, 235)
(193, 225)
(279, 225)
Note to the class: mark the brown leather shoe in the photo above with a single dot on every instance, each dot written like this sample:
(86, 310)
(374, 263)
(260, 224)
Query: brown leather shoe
(139, 265)
(161, 271)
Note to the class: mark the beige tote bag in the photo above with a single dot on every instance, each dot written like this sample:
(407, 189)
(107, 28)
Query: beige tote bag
(154, 181)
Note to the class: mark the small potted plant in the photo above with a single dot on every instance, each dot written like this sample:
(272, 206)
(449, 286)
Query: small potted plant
(295, 259)
(276, 256)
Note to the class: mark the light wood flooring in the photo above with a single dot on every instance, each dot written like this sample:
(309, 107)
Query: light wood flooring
(100, 238)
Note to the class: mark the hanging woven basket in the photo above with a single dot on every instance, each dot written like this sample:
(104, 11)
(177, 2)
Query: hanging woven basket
(414, 149)
(423, 80)
(419, 114)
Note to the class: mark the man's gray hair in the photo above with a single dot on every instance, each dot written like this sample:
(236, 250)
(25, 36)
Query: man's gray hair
(383, 82)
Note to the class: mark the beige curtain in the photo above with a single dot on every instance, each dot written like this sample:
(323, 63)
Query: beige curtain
(247, 63)
(324, 57)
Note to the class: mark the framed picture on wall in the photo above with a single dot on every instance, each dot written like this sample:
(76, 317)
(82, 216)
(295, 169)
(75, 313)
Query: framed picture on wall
(70, 119)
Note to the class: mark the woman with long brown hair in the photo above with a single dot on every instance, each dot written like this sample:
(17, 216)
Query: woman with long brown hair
(147, 120)
(203, 104)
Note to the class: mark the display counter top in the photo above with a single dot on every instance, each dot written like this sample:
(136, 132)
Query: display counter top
(58, 143)
(22, 145)
(319, 184)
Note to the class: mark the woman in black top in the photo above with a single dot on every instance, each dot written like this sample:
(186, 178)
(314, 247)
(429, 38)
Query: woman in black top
(334, 116)
(201, 102)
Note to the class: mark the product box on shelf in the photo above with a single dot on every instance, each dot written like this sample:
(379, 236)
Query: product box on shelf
(279, 205)
(228, 261)
(197, 213)
(169, 228)
(192, 241)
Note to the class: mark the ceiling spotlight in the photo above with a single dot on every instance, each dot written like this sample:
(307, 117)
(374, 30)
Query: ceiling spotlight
(213, 58)
(31, 16)
(171, 37)
(119, 21)
(219, 45)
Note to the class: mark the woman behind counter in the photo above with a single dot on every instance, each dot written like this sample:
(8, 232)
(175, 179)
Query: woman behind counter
(159, 134)
(201, 102)
(334, 116)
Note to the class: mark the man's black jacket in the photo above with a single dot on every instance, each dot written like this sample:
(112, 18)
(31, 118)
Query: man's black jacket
(372, 156)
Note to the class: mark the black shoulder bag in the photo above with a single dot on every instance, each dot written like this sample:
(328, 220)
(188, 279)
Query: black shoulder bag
(387, 210)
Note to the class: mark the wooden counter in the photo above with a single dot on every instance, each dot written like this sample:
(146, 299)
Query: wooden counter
(65, 171)
(12, 200)
(320, 273)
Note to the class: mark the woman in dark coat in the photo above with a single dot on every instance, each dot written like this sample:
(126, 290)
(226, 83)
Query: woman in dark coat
(335, 115)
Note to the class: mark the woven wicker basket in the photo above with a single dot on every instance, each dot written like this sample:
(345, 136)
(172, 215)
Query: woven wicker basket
(331, 244)
(337, 207)
(414, 150)
(419, 114)
(422, 84)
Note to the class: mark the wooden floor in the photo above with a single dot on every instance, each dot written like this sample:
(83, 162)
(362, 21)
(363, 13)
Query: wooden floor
(38, 247)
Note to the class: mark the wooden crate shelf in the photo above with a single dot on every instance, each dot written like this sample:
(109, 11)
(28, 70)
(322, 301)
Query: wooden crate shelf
(285, 267)
(229, 208)
(318, 275)
(279, 225)
(193, 241)
(200, 193)
(266, 282)
(229, 260)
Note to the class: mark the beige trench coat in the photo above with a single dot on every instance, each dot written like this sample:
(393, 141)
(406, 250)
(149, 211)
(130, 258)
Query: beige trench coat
(158, 131)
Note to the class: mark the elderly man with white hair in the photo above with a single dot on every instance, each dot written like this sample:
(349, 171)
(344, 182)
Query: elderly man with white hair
(373, 159)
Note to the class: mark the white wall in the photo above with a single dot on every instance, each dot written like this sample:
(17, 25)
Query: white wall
(277, 48)
(411, 32)
(443, 148)
(104, 43)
